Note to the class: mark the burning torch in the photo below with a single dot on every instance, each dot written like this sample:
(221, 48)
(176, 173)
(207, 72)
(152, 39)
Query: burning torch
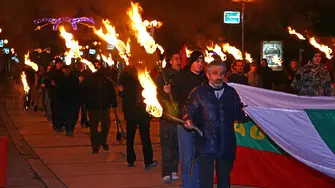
(153, 107)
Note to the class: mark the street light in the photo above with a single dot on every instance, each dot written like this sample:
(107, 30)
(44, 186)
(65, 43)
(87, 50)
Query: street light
(243, 2)
(5, 41)
(0, 30)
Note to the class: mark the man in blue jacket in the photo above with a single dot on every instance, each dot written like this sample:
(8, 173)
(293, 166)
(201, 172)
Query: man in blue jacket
(213, 107)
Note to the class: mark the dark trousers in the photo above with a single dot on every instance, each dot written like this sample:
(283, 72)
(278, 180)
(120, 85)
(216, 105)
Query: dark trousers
(99, 116)
(144, 127)
(169, 145)
(64, 115)
(83, 115)
(206, 171)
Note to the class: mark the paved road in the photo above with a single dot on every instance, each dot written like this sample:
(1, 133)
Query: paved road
(61, 161)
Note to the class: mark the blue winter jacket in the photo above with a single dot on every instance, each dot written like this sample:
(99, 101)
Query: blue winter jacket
(215, 117)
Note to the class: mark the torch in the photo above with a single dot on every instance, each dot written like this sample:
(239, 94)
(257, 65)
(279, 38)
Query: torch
(153, 107)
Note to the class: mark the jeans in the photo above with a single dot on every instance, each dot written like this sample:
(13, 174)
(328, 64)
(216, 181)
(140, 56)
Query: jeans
(223, 169)
(189, 164)
(169, 145)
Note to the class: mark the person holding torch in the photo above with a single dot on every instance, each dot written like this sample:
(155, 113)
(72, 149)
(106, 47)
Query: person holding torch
(213, 107)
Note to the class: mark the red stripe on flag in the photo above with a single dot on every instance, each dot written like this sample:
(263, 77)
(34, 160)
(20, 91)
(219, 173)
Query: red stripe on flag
(265, 169)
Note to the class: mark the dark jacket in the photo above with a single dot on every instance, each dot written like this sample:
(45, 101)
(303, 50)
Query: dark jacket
(182, 85)
(69, 91)
(215, 117)
(56, 76)
(164, 99)
(238, 79)
(133, 106)
(267, 77)
(98, 91)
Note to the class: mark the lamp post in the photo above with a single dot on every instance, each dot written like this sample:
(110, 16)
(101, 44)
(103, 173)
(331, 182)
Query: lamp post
(243, 2)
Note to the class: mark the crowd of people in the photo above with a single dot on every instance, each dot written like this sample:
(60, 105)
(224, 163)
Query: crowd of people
(197, 93)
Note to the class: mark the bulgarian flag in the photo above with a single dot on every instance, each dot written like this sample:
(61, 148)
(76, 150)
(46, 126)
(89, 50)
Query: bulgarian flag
(289, 141)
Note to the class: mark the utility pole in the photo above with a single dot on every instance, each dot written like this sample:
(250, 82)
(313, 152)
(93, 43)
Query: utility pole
(242, 37)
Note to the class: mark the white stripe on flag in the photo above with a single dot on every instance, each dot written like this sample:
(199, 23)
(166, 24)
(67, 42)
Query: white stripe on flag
(293, 131)
(253, 96)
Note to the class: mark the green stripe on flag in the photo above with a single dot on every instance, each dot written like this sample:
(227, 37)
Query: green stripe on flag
(324, 123)
(248, 134)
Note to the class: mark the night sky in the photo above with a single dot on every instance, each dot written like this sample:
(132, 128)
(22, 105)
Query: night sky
(194, 22)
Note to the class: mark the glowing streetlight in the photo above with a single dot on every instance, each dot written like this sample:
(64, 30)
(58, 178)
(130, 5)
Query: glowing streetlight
(5, 41)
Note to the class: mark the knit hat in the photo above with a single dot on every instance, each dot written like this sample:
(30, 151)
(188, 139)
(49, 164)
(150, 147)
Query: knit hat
(195, 55)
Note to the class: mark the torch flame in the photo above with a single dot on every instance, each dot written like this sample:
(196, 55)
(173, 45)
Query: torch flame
(108, 60)
(277, 60)
(188, 52)
(74, 48)
(26, 88)
(89, 64)
(140, 30)
(236, 52)
(293, 32)
(154, 23)
(111, 37)
(150, 94)
(218, 51)
(328, 51)
(30, 63)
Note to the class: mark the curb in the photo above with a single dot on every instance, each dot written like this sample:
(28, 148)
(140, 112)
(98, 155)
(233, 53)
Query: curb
(44, 173)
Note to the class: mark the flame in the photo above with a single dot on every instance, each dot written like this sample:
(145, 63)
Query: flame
(111, 37)
(108, 60)
(98, 57)
(140, 30)
(218, 51)
(209, 57)
(89, 64)
(248, 58)
(74, 48)
(30, 63)
(293, 32)
(154, 23)
(150, 94)
(164, 63)
(277, 60)
(26, 88)
(236, 52)
(188, 52)
(328, 51)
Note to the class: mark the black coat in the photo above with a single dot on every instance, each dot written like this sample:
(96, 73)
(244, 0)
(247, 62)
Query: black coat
(182, 85)
(238, 79)
(133, 106)
(69, 90)
(164, 99)
(215, 117)
(98, 91)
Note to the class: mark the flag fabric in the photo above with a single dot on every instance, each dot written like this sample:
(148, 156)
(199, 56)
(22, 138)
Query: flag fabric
(289, 141)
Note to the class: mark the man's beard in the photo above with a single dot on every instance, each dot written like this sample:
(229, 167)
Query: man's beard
(218, 84)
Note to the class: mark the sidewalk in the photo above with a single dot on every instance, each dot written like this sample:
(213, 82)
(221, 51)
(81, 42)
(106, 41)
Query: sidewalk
(67, 162)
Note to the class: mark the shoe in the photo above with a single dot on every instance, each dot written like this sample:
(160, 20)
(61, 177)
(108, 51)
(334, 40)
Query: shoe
(166, 179)
(152, 165)
(69, 133)
(131, 165)
(105, 147)
(95, 151)
(174, 176)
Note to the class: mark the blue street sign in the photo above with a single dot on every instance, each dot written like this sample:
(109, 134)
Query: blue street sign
(1, 43)
(231, 17)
